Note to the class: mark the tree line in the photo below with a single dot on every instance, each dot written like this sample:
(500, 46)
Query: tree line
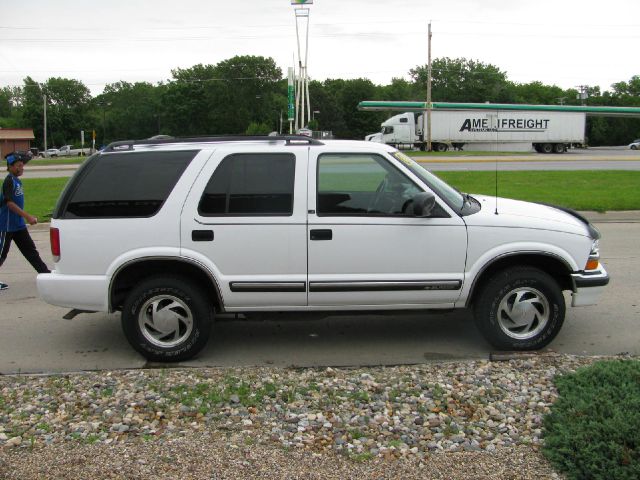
(248, 94)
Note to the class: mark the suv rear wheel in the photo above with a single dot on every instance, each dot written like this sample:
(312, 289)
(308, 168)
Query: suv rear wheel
(520, 308)
(167, 319)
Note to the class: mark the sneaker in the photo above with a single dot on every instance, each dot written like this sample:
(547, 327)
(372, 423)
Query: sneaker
(3, 286)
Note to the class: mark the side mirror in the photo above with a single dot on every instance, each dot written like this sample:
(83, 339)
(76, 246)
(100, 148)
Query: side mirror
(423, 204)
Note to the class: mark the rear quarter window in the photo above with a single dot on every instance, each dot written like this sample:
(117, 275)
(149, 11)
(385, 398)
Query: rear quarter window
(117, 185)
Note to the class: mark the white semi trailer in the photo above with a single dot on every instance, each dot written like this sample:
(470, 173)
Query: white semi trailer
(521, 130)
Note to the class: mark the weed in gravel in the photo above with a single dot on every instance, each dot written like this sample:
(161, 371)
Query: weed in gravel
(359, 396)
(394, 443)
(361, 457)
(45, 427)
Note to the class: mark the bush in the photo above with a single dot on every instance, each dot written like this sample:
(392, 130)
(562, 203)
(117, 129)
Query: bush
(593, 430)
(258, 129)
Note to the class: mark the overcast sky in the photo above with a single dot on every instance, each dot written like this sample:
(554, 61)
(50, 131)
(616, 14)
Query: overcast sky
(561, 42)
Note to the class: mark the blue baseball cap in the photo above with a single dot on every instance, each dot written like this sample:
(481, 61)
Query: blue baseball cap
(14, 157)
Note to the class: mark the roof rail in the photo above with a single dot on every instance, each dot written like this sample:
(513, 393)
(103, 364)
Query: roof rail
(289, 139)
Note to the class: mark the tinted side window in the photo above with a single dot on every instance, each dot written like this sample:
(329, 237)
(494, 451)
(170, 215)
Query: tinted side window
(126, 184)
(362, 184)
(251, 184)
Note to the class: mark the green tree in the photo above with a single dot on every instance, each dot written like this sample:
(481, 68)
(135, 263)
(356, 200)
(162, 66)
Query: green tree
(223, 98)
(349, 93)
(186, 101)
(248, 92)
(127, 111)
(68, 107)
(32, 109)
(462, 80)
(11, 108)
(324, 99)
(400, 89)
(537, 93)
(67, 110)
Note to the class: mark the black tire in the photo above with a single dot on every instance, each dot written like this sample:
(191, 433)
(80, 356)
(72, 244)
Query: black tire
(537, 309)
(441, 147)
(190, 319)
(558, 148)
(633, 147)
(546, 148)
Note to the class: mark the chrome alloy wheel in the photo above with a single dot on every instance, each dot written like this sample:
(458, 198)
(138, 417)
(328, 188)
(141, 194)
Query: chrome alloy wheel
(523, 313)
(165, 321)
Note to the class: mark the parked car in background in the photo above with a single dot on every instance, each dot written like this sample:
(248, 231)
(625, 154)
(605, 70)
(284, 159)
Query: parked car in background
(49, 153)
(635, 145)
(69, 151)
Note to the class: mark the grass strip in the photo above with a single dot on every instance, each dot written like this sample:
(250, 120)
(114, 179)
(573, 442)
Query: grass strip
(463, 153)
(599, 190)
(41, 195)
(604, 190)
(49, 162)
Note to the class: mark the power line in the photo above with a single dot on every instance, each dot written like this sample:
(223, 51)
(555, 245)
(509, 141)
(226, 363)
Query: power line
(545, 23)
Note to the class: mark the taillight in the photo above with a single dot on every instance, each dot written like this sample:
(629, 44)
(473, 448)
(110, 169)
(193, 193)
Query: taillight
(54, 237)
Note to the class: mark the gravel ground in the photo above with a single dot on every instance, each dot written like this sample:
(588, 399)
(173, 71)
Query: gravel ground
(477, 419)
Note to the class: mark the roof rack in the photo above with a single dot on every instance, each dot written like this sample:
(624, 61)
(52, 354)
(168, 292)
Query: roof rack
(165, 139)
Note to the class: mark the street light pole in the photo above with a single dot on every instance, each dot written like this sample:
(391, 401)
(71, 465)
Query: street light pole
(429, 95)
(103, 125)
(44, 101)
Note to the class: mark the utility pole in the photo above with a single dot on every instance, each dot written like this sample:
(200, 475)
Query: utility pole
(429, 95)
(44, 103)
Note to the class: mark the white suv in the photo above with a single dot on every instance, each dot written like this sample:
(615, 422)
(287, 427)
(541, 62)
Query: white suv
(173, 231)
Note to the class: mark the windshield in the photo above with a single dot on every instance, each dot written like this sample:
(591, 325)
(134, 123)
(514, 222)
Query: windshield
(449, 194)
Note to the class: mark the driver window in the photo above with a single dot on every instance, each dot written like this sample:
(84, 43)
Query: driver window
(362, 184)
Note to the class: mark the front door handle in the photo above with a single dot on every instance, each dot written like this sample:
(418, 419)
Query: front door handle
(321, 234)
(202, 235)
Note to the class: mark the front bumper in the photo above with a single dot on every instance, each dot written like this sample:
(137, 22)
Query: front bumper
(588, 286)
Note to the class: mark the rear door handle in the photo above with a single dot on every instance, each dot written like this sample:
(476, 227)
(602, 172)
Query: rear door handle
(321, 234)
(202, 235)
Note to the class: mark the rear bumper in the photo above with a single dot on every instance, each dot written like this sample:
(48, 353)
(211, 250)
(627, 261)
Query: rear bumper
(589, 286)
(84, 292)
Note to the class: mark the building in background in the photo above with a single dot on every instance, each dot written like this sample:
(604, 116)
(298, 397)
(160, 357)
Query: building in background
(15, 139)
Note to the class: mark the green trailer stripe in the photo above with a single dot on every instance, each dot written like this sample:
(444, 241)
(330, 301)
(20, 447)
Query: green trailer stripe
(417, 106)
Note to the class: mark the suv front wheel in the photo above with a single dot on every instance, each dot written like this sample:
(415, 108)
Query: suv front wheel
(167, 319)
(520, 308)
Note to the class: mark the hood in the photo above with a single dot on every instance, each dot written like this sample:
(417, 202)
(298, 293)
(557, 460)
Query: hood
(516, 213)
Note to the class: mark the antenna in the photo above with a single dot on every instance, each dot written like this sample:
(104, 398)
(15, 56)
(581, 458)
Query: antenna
(494, 124)
(496, 212)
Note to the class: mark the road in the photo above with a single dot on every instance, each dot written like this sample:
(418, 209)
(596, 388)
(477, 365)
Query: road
(599, 158)
(35, 338)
